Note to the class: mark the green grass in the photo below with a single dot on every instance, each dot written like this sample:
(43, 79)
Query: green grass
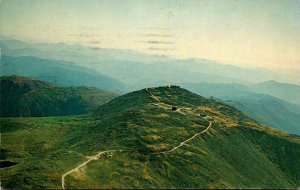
(236, 152)
(37, 146)
(221, 158)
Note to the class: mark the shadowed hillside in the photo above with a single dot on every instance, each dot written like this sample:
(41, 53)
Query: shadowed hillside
(23, 97)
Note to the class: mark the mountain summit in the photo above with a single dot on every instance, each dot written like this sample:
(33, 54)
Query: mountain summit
(165, 137)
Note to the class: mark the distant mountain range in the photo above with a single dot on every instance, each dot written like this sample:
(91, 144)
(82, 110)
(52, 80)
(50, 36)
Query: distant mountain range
(138, 66)
(58, 72)
(23, 97)
(285, 91)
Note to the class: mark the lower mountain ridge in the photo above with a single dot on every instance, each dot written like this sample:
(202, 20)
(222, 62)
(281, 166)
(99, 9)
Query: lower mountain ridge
(270, 111)
(165, 137)
(263, 108)
(24, 97)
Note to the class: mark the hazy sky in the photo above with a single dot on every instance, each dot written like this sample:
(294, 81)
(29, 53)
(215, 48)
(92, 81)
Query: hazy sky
(255, 32)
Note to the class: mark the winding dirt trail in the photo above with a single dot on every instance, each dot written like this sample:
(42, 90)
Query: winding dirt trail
(83, 164)
(152, 95)
(184, 142)
(110, 151)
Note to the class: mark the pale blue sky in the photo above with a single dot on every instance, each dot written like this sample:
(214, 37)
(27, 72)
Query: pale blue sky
(257, 33)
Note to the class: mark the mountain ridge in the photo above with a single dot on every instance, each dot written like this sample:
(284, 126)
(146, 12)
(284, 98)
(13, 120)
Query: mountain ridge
(23, 97)
(235, 152)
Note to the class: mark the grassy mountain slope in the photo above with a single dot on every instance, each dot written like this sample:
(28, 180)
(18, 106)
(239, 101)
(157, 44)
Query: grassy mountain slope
(235, 152)
(159, 73)
(58, 72)
(21, 96)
